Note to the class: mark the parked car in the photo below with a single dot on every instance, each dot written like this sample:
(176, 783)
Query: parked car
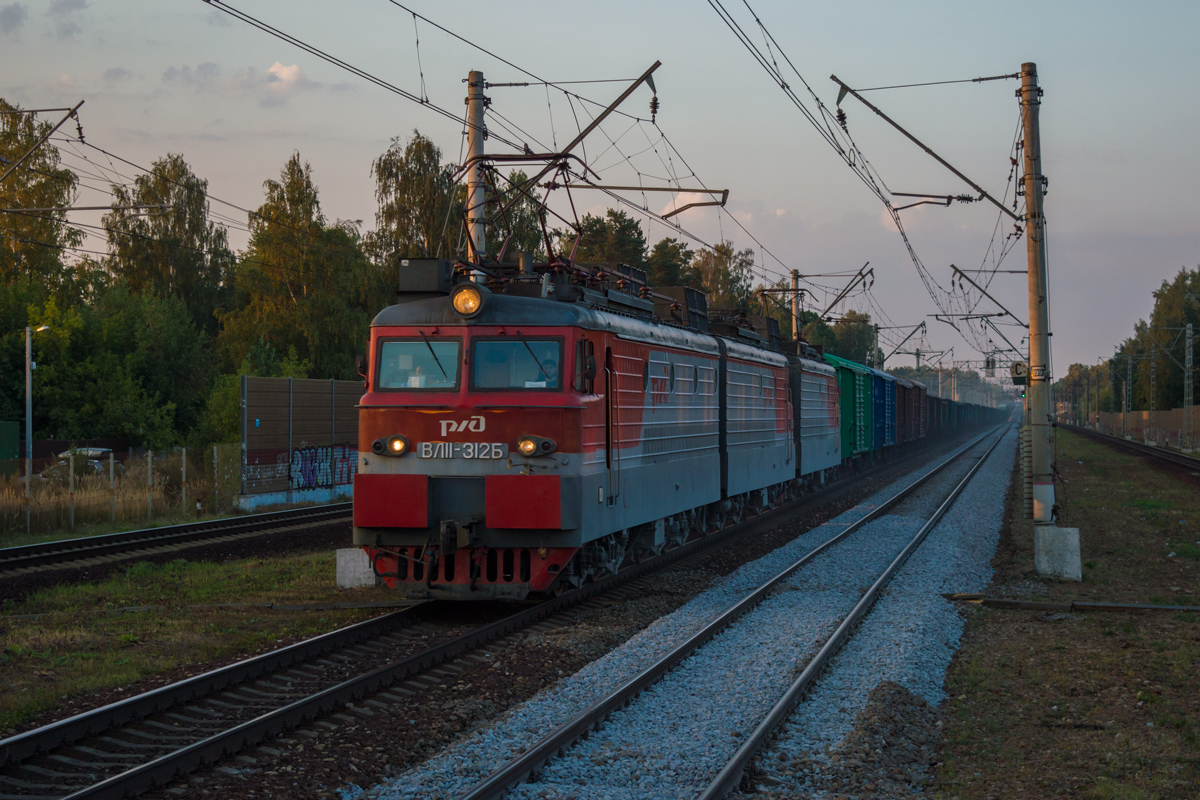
(88, 460)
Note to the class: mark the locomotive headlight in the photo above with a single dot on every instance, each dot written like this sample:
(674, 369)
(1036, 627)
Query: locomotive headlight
(468, 299)
(391, 446)
(529, 446)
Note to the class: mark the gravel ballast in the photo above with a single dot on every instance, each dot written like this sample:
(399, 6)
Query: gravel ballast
(675, 737)
(909, 639)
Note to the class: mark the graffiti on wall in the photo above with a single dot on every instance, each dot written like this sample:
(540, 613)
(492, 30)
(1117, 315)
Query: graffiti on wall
(322, 467)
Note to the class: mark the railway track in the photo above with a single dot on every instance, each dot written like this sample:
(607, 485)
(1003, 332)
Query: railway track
(1190, 463)
(128, 747)
(94, 550)
(535, 758)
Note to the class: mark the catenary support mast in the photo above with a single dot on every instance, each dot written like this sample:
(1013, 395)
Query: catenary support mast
(1187, 389)
(1055, 549)
(1039, 313)
(476, 189)
(796, 309)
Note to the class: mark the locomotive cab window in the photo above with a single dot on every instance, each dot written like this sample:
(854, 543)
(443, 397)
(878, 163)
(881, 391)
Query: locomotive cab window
(423, 363)
(516, 363)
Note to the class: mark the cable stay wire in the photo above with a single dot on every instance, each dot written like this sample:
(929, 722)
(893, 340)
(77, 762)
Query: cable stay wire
(337, 62)
(828, 127)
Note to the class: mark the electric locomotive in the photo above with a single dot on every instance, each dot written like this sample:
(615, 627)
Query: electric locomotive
(526, 432)
(528, 428)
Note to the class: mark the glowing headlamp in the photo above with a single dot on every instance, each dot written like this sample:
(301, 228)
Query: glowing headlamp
(468, 299)
(530, 446)
(391, 446)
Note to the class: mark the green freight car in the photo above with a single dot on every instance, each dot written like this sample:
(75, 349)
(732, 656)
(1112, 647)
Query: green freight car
(854, 382)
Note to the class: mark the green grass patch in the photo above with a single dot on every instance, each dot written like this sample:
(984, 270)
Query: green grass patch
(77, 649)
(1149, 503)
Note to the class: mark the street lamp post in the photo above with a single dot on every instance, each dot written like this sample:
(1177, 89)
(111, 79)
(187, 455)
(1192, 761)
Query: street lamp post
(29, 418)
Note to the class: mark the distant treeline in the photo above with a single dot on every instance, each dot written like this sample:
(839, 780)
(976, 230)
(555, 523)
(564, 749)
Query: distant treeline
(1153, 358)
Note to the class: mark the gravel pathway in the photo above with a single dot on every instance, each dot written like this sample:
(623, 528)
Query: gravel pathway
(732, 680)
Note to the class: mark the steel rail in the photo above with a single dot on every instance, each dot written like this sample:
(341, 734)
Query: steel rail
(62, 550)
(66, 731)
(1161, 453)
(730, 776)
(163, 769)
(536, 756)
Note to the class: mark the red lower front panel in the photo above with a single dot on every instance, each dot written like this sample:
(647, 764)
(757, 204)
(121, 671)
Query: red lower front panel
(473, 569)
(391, 501)
(523, 501)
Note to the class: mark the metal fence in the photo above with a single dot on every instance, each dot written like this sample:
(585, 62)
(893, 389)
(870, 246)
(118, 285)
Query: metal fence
(78, 489)
(1176, 428)
(299, 440)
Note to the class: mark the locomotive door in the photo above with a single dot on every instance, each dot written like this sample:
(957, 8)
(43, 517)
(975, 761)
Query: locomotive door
(612, 427)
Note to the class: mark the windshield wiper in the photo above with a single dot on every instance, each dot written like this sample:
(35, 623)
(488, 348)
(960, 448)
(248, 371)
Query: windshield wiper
(435, 358)
(535, 358)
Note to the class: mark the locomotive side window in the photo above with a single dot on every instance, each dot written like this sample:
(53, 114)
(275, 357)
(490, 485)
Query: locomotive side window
(585, 367)
(521, 363)
(423, 363)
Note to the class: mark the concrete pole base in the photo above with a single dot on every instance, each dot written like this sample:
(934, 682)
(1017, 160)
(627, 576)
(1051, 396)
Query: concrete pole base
(354, 568)
(1056, 552)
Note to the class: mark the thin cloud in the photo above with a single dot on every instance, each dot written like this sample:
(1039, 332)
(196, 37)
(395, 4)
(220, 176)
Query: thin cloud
(116, 74)
(12, 18)
(202, 77)
(271, 88)
(65, 15)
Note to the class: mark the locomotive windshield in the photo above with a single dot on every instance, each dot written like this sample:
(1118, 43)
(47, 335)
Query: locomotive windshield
(520, 363)
(419, 364)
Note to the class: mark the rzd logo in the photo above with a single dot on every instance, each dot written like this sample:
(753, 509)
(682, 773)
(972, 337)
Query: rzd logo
(475, 424)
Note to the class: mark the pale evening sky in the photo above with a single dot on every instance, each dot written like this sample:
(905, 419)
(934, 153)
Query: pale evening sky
(1119, 120)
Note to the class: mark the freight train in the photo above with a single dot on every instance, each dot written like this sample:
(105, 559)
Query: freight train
(529, 428)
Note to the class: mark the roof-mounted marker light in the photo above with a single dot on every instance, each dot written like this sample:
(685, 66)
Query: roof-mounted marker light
(468, 299)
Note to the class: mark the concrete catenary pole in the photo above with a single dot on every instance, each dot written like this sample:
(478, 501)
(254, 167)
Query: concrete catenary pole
(1055, 550)
(1039, 312)
(1187, 388)
(476, 190)
(796, 309)
(28, 424)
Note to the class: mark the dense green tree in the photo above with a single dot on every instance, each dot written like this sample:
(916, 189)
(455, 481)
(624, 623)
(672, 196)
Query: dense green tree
(615, 237)
(31, 243)
(519, 219)
(221, 420)
(420, 211)
(855, 336)
(174, 251)
(670, 264)
(725, 274)
(302, 283)
(126, 365)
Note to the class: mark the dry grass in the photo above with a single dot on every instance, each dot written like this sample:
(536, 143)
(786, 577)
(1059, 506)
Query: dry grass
(1099, 705)
(132, 500)
(75, 653)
